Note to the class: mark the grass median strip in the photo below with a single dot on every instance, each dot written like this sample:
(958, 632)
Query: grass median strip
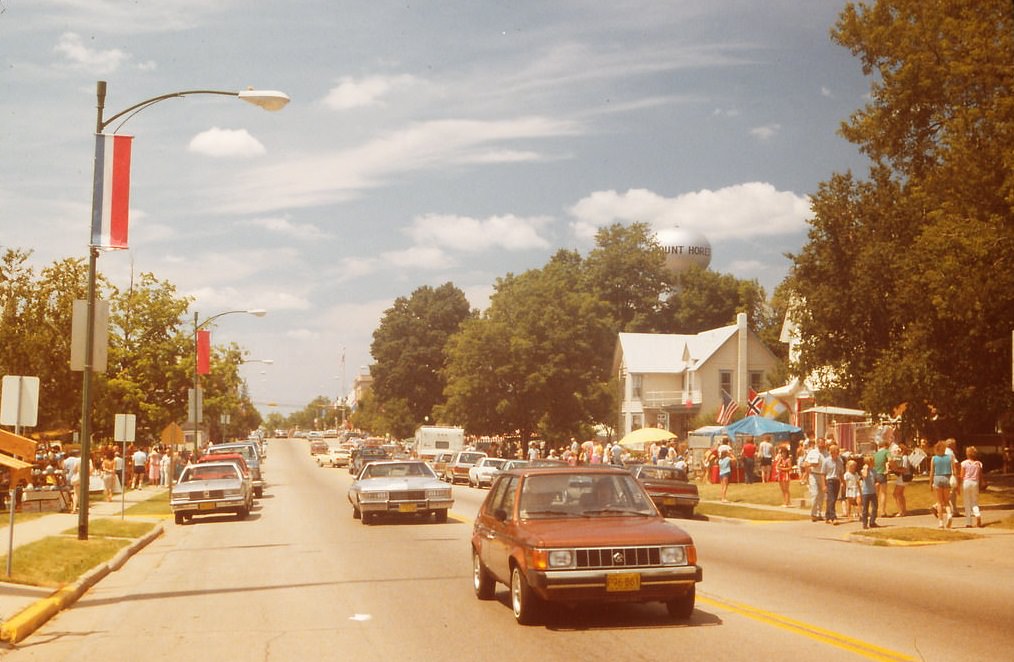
(58, 560)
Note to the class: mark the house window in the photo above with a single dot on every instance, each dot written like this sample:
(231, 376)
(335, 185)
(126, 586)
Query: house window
(756, 380)
(638, 385)
(725, 382)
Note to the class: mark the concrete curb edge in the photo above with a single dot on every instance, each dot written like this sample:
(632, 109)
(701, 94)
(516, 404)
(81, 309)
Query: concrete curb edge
(29, 619)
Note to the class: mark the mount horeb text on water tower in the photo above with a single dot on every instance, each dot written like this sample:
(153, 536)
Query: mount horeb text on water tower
(684, 248)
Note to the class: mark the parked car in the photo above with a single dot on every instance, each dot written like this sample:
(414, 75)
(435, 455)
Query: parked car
(439, 462)
(399, 487)
(252, 457)
(363, 456)
(211, 488)
(318, 450)
(481, 474)
(338, 454)
(229, 457)
(459, 464)
(668, 488)
(578, 535)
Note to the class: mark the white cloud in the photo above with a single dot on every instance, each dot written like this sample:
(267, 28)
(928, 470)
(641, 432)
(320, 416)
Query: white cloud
(504, 156)
(80, 56)
(826, 92)
(368, 91)
(302, 334)
(766, 132)
(418, 257)
(284, 226)
(462, 233)
(338, 176)
(725, 112)
(754, 209)
(226, 143)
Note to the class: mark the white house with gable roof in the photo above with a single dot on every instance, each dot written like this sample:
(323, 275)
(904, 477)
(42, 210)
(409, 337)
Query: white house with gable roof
(668, 379)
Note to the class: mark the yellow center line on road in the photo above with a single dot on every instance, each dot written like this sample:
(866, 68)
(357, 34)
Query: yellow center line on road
(836, 639)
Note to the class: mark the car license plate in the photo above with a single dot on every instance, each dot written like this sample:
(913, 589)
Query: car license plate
(206, 506)
(669, 501)
(627, 581)
(406, 507)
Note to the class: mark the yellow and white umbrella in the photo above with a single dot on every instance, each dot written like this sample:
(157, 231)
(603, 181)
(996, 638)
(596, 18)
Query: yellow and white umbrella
(638, 439)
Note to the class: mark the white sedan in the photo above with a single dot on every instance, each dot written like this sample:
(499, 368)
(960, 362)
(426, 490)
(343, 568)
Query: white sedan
(484, 470)
(407, 487)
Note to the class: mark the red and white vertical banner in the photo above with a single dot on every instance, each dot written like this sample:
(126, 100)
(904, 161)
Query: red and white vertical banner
(203, 352)
(111, 196)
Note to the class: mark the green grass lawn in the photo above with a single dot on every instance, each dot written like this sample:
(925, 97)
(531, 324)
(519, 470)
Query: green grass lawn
(58, 560)
(156, 506)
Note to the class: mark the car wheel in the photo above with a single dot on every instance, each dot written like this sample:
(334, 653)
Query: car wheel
(482, 581)
(242, 513)
(258, 492)
(682, 608)
(356, 514)
(179, 518)
(688, 512)
(524, 602)
(367, 518)
(441, 516)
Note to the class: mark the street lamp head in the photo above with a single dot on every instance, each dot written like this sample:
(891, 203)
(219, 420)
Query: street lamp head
(257, 312)
(267, 99)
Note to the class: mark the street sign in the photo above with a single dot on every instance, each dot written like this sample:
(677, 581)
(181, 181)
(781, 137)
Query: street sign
(124, 427)
(79, 332)
(19, 401)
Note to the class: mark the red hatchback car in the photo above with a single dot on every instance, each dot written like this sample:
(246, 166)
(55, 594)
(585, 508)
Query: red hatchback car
(579, 534)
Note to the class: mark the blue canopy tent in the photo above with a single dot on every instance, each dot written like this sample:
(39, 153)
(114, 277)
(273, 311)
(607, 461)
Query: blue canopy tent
(755, 426)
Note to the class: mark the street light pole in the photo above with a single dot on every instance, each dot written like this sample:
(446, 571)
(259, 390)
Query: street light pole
(268, 100)
(195, 405)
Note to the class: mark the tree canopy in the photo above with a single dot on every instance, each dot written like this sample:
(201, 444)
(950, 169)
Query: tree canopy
(906, 283)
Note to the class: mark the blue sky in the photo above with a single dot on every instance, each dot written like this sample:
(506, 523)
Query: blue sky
(425, 142)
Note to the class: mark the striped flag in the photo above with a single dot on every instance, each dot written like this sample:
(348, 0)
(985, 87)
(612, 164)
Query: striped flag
(729, 407)
(111, 197)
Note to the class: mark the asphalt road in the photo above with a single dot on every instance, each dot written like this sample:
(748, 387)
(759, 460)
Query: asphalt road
(301, 580)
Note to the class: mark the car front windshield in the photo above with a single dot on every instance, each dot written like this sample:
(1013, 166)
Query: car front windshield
(583, 495)
(398, 470)
(210, 472)
(469, 458)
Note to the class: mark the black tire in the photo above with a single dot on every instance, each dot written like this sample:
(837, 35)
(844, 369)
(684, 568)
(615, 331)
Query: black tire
(482, 581)
(526, 605)
(367, 518)
(242, 514)
(179, 518)
(258, 492)
(683, 608)
(441, 516)
(356, 513)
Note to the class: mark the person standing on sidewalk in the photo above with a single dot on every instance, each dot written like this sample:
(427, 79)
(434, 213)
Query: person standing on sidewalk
(868, 492)
(138, 460)
(942, 470)
(766, 450)
(834, 469)
(880, 460)
(971, 480)
(814, 461)
(749, 453)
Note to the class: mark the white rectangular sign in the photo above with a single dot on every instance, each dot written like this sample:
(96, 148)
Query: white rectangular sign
(124, 427)
(19, 401)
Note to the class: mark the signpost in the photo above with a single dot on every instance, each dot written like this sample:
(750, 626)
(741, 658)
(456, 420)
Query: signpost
(19, 405)
(124, 426)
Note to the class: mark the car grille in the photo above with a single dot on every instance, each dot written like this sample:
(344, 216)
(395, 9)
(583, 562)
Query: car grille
(212, 494)
(618, 557)
(408, 495)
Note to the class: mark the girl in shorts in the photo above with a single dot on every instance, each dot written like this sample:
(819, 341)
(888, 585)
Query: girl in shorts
(851, 479)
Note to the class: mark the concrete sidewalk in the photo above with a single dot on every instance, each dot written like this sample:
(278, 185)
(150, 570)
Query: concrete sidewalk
(16, 597)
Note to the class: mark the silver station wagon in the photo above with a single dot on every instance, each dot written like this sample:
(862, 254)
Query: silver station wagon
(399, 487)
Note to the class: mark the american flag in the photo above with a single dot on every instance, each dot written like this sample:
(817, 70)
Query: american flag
(729, 407)
(754, 403)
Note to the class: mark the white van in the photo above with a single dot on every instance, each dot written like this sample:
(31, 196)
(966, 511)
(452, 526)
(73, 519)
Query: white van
(433, 439)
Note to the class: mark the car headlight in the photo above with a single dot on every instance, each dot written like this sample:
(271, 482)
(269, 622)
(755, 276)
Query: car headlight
(373, 496)
(675, 555)
(439, 493)
(233, 493)
(561, 558)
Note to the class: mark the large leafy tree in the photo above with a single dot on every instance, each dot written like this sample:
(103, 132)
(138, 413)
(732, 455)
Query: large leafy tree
(408, 347)
(907, 281)
(534, 362)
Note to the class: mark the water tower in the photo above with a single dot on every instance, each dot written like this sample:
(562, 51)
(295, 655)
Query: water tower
(684, 248)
